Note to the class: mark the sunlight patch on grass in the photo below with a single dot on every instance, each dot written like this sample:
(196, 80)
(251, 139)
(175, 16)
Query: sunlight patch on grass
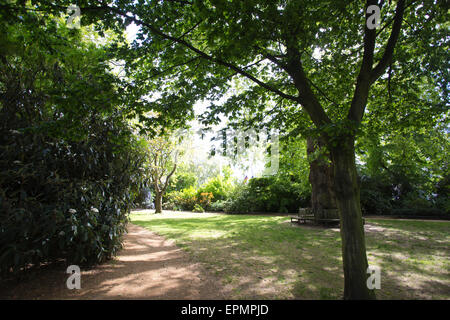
(266, 257)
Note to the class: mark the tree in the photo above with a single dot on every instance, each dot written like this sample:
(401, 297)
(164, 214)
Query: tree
(161, 165)
(410, 161)
(318, 55)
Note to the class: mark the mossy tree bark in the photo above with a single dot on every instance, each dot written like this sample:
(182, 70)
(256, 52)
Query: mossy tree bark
(320, 177)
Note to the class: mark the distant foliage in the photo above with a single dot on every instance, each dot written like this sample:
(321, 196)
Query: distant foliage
(269, 194)
(198, 208)
(405, 173)
(218, 188)
(376, 196)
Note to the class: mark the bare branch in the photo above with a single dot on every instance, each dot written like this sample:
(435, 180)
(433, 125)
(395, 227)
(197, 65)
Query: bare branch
(168, 177)
(191, 29)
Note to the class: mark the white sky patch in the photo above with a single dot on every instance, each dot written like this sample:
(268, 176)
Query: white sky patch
(199, 149)
(318, 53)
(131, 32)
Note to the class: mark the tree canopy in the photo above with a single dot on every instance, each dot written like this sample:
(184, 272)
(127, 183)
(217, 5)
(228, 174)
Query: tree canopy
(311, 67)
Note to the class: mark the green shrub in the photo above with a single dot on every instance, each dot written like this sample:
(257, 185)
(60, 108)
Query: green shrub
(443, 204)
(64, 199)
(376, 196)
(219, 186)
(218, 205)
(185, 199)
(205, 199)
(268, 194)
(419, 212)
(69, 165)
(171, 206)
(442, 191)
(198, 208)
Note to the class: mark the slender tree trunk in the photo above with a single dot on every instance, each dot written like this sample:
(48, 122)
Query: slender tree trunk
(346, 188)
(158, 202)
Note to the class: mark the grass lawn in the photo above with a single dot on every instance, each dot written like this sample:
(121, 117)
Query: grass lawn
(266, 257)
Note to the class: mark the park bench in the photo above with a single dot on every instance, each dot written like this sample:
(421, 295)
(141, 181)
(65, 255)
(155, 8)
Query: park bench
(304, 215)
(327, 216)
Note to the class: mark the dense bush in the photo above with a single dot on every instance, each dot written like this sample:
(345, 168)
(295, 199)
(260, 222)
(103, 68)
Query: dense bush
(198, 208)
(220, 186)
(270, 194)
(405, 172)
(63, 199)
(69, 165)
(379, 196)
(205, 199)
(218, 205)
(442, 190)
(185, 199)
(376, 196)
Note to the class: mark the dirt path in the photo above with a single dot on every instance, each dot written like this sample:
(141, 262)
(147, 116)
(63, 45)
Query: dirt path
(149, 267)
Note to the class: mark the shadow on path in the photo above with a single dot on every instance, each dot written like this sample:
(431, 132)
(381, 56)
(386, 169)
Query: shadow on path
(149, 267)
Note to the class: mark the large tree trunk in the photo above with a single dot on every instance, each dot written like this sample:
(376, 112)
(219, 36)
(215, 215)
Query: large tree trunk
(346, 188)
(158, 202)
(321, 179)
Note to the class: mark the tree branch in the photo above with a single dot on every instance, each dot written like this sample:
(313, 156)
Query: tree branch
(389, 51)
(307, 98)
(168, 177)
(204, 55)
(367, 74)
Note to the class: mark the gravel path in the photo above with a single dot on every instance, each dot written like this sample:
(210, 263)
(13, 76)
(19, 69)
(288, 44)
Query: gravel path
(149, 267)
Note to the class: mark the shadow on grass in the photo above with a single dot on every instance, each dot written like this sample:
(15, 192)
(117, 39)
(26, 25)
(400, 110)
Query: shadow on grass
(414, 258)
(261, 257)
(253, 257)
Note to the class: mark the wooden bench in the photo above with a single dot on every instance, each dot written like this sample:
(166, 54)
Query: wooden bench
(330, 221)
(302, 219)
(306, 214)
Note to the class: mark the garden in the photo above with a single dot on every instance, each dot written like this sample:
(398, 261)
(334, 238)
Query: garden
(143, 143)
